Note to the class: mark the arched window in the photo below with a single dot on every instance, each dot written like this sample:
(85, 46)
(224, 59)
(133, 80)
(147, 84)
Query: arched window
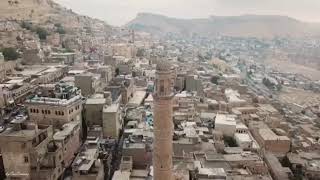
(161, 86)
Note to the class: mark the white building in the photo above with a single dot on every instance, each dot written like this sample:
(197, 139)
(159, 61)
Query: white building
(241, 128)
(233, 98)
(226, 124)
(243, 140)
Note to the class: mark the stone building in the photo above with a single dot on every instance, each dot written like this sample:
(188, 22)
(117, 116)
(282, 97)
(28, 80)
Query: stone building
(112, 121)
(6, 98)
(268, 140)
(89, 83)
(87, 165)
(249, 160)
(6, 68)
(226, 123)
(193, 83)
(68, 138)
(123, 86)
(110, 60)
(63, 107)
(30, 152)
(278, 172)
(137, 151)
(32, 56)
(106, 73)
(67, 58)
(126, 50)
(94, 110)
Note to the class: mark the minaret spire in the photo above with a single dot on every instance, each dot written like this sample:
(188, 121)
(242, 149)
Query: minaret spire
(163, 124)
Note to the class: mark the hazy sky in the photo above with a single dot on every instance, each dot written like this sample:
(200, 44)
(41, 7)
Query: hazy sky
(119, 12)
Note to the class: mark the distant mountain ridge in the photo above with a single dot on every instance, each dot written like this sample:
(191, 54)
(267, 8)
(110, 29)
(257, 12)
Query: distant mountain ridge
(260, 26)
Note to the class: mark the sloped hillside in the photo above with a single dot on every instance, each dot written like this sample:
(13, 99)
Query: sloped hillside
(43, 12)
(18, 17)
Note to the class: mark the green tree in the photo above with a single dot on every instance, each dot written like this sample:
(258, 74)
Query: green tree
(140, 52)
(215, 79)
(26, 25)
(67, 50)
(61, 30)
(42, 33)
(10, 54)
(57, 25)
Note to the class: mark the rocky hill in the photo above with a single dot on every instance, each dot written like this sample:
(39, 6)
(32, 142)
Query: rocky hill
(30, 18)
(259, 26)
(41, 12)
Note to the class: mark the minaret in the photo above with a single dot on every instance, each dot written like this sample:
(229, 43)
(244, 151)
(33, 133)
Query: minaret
(163, 124)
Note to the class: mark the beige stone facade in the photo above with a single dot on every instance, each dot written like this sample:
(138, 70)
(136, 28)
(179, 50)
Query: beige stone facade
(68, 138)
(89, 83)
(268, 140)
(112, 121)
(126, 50)
(30, 153)
(56, 112)
(5, 68)
(93, 111)
(87, 166)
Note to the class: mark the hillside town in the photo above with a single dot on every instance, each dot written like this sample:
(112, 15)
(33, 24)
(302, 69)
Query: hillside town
(82, 100)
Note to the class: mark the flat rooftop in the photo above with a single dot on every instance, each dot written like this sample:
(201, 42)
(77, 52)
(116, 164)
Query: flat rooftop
(86, 159)
(15, 81)
(121, 175)
(267, 107)
(32, 70)
(67, 129)
(211, 172)
(245, 156)
(68, 79)
(39, 69)
(63, 54)
(137, 98)
(26, 134)
(76, 71)
(20, 133)
(247, 108)
(225, 119)
(268, 134)
(93, 101)
(242, 137)
(53, 101)
(139, 173)
(206, 115)
(134, 146)
(111, 109)
(241, 126)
